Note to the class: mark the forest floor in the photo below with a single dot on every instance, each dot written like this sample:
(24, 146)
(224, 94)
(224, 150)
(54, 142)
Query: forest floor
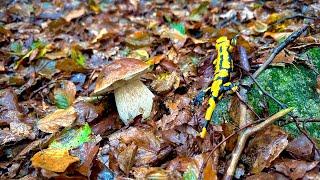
(60, 117)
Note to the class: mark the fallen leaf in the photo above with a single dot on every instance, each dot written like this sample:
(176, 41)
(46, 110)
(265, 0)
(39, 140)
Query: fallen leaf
(9, 100)
(277, 36)
(65, 94)
(60, 118)
(56, 160)
(126, 158)
(265, 147)
(87, 112)
(301, 147)
(76, 13)
(17, 132)
(165, 82)
(155, 173)
(267, 176)
(293, 168)
(72, 138)
(260, 27)
(139, 39)
(86, 153)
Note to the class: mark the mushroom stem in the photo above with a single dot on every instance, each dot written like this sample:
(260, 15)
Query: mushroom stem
(133, 99)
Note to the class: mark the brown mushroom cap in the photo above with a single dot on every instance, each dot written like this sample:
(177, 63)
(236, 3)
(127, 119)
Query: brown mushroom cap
(117, 73)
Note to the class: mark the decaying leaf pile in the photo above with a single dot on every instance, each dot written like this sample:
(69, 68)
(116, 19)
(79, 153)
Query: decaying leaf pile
(58, 120)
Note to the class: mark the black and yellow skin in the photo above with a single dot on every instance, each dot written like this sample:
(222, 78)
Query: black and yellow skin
(221, 80)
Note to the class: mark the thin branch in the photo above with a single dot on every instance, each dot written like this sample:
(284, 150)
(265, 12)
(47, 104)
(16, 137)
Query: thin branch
(279, 48)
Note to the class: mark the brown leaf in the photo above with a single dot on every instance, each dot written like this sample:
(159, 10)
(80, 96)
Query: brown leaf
(60, 118)
(267, 176)
(126, 158)
(9, 100)
(293, 168)
(141, 137)
(86, 153)
(265, 147)
(17, 132)
(56, 160)
(76, 13)
(155, 173)
(301, 147)
(87, 112)
(277, 36)
(165, 82)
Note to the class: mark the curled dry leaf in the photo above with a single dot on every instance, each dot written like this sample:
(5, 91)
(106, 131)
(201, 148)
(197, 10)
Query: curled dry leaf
(60, 118)
(293, 168)
(265, 147)
(56, 160)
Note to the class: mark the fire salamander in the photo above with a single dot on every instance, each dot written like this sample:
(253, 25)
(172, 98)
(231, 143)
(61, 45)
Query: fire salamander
(221, 80)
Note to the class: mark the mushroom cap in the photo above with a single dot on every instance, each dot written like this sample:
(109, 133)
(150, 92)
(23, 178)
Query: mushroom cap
(117, 73)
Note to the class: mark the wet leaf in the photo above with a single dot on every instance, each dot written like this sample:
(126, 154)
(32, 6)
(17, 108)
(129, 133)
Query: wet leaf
(60, 118)
(72, 138)
(56, 160)
(265, 147)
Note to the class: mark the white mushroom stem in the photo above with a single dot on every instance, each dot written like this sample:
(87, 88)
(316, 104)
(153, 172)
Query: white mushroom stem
(133, 99)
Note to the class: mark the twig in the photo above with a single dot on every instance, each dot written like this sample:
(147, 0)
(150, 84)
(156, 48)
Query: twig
(279, 48)
(245, 135)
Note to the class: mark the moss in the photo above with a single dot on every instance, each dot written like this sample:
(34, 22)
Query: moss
(293, 85)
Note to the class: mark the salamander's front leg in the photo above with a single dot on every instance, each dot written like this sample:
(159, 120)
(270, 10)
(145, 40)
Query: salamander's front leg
(230, 88)
(200, 96)
(208, 115)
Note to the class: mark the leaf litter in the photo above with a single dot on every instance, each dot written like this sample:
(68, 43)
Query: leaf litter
(53, 54)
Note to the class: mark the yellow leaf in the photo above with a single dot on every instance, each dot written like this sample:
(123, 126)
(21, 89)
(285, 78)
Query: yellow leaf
(56, 160)
(277, 35)
(60, 118)
(260, 27)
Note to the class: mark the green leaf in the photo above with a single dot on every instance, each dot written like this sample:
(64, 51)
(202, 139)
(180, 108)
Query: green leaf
(77, 56)
(72, 138)
(196, 14)
(179, 27)
(16, 47)
(61, 100)
(190, 174)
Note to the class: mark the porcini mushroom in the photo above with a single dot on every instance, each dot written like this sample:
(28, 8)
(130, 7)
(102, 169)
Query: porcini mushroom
(131, 95)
